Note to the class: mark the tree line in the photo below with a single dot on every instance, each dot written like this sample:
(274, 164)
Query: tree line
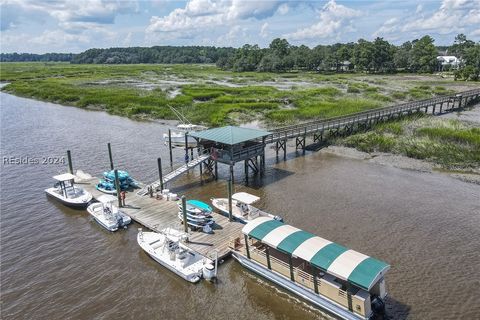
(32, 57)
(377, 56)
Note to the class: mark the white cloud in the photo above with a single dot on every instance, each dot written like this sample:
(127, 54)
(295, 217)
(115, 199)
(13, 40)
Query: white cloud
(201, 15)
(72, 14)
(475, 33)
(452, 16)
(334, 19)
(264, 30)
(283, 9)
(419, 8)
(58, 38)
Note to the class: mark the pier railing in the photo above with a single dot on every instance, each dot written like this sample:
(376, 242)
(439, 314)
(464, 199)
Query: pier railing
(237, 155)
(305, 128)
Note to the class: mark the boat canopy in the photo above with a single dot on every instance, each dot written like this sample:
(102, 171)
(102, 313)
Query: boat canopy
(107, 198)
(349, 265)
(244, 197)
(64, 177)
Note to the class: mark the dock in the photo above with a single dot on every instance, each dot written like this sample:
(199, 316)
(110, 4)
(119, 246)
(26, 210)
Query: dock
(157, 214)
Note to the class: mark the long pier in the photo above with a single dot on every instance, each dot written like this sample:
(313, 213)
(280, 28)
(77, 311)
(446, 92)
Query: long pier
(345, 125)
(157, 214)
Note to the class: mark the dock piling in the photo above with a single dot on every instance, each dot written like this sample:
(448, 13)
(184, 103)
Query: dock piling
(160, 173)
(69, 158)
(186, 147)
(230, 191)
(110, 155)
(170, 146)
(184, 214)
(117, 186)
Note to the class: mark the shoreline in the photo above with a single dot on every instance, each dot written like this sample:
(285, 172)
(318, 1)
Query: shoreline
(402, 162)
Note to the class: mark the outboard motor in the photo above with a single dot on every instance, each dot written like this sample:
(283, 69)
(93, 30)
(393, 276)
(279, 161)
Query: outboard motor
(208, 271)
(278, 218)
(378, 306)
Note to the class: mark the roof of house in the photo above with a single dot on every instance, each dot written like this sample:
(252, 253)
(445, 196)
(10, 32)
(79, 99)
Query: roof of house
(349, 265)
(229, 135)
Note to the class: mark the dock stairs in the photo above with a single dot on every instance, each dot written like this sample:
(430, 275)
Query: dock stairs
(175, 174)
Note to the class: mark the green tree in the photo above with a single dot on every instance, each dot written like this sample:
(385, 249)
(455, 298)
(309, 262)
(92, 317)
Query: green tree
(423, 56)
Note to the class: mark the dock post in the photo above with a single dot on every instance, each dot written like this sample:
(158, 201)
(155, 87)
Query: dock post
(110, 155)
(276, 148)
(216, 170)
(69, 158)
(246, 170)
(160, 173)
(285, 150)
(230, 199)
(184, 214)
(170, 146)
(117, 186)
(186, 147)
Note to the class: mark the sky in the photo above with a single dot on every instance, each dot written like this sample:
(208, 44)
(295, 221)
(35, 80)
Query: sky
(40, 26)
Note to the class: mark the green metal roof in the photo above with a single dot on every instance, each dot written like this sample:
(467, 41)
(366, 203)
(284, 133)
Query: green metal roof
(358, 269)
(229, 135)
(325, 256)
(366, 272)
(265, 228)
(290, 243)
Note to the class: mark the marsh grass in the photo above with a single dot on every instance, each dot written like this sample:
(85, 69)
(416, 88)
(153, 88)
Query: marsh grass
(450, 143)
(117, 90)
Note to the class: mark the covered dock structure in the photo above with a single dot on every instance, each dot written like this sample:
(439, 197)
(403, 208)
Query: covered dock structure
(231, 144)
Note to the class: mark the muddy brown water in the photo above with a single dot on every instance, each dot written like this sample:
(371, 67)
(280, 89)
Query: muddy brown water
(56, 263)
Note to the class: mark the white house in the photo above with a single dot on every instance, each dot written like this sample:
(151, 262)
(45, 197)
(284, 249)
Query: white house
(451, 61)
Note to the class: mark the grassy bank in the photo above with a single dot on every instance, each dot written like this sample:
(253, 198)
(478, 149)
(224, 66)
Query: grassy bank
(214, 97)
(452, 144)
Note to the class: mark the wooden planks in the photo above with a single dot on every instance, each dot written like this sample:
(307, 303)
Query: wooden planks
(159, 214)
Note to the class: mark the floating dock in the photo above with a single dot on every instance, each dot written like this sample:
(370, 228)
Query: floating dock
(157, 214)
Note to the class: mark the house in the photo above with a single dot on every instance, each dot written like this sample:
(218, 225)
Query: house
(448, 62)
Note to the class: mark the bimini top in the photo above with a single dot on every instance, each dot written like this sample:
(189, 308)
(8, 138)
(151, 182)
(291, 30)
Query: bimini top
(229, 135)
(245, 197)
(349, 265)
(64, 177)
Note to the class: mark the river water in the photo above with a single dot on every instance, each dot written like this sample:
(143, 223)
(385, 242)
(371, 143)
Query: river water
(56, 263)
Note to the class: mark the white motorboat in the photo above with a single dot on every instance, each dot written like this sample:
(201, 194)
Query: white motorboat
(167, 248)
(242, 208)
(65, 191)
(178, 135)
(108, 215)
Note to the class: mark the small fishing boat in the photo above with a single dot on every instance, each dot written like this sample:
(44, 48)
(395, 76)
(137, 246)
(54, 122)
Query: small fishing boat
(177, 135)
(342, 281)
(242, 208)
(65, 191)
(167, 248)
(196, 207)
(107, 214)
(106, 187)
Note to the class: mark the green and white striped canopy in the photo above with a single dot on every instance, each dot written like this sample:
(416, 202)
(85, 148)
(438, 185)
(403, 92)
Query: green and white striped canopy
(352, 266)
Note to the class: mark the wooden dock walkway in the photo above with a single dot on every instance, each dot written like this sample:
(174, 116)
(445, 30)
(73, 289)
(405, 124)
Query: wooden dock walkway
(157, 214)
(175, 174)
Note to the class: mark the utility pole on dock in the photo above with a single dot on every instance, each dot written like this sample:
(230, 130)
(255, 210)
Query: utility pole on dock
(230, 187)
(170, 146)
(184, 214)
(69, 158)
(117, 186)
(160, 174)
(110, 155)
